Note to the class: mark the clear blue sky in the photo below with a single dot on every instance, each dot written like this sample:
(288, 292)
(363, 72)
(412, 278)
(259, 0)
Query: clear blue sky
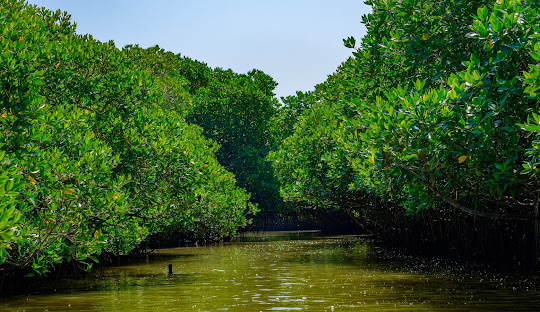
(297, 42)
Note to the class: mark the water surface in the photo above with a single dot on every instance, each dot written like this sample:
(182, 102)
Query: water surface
(288, 272)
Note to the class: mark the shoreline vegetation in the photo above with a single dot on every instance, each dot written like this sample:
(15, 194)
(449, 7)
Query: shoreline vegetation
(426, 137)
(428, 134)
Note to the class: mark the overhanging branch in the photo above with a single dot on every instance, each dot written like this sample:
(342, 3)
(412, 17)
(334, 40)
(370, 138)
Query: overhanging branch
(474, 212)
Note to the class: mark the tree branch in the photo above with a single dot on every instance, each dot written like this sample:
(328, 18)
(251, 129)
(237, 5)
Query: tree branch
(474, 212)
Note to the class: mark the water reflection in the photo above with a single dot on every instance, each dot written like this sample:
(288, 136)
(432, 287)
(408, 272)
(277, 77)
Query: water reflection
(288, 272)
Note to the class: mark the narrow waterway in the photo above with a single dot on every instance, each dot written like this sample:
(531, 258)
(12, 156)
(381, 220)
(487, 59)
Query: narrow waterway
(288, 272)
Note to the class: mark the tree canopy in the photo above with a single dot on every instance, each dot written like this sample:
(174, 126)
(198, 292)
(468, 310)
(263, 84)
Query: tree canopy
(435, 110)
(96, 153)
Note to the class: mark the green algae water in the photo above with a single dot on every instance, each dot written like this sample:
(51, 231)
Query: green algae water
(287, 271)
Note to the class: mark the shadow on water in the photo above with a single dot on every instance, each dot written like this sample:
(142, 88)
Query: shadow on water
(135, 272)
(276, 236)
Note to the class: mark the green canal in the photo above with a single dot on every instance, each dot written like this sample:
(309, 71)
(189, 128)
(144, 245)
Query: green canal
(287, 271)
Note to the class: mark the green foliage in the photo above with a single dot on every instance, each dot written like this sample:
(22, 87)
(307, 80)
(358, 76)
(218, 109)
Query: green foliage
(311, 165)
(9, 215)
(235, 110)
(532, 79)
(95, 151)
(428, 113)
(417, 134)
(286, 116)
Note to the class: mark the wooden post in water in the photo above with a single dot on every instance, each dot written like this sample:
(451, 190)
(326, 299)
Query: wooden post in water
(170, 269)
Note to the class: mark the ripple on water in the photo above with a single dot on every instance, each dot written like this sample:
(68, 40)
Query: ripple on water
(315, 275)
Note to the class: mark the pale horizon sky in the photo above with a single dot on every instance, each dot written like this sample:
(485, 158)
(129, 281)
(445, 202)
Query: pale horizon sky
(297, 42)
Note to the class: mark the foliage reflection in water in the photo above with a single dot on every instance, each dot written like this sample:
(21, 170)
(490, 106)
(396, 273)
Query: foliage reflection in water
(287, 272)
